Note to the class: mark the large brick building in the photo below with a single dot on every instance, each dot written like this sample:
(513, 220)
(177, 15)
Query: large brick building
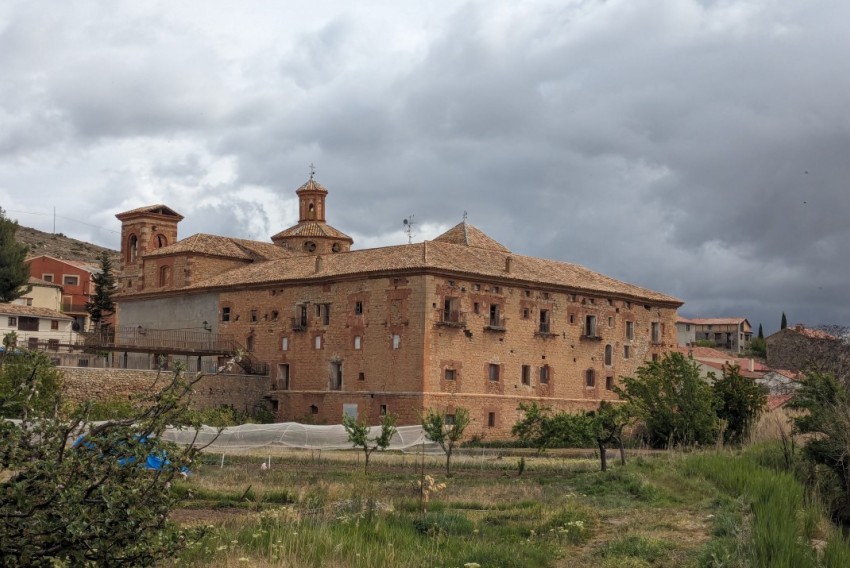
(459, 321)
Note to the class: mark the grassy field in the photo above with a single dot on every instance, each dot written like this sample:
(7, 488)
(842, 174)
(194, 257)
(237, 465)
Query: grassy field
(708, 509)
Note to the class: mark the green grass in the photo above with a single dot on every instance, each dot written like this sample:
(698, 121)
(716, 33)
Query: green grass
(697, 510)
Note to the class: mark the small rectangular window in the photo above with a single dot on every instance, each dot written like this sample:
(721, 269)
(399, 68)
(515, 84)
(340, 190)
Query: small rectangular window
(476, 287)
(70, 280)
(358, 308)
(225, 314)
(626, 351)
(326, 314)
(361, 376)
(475, 307)
(357, 342)
(493, 373)
(656, 332)
(544, 375)
(590, 378)
(284, 344)
(526, 313)
(610, 321)
(54, 324)
(318, 342)
(609, 383)
(572, 318)
(53, 344)
(450, 374)
(47, 277)
(497, 289)
(382, 410)
(449, 420)
(630, 330)
(396, 341)
(253, 315)
(13, 322)
(526, 374)
(491, 419)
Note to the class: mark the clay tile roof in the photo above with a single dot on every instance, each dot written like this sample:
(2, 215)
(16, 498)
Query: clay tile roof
(717, 321)
(813, 333)
(680, 319)
(702, 352)
(439, 257)
(31, 311)
(312, 229)
(158, 209)
(39, 282)
(229, 247)
(311, 185)
(465, 234)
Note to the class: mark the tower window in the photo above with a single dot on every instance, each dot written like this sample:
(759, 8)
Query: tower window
(310, 246)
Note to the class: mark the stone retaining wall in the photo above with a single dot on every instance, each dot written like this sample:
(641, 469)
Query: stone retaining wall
(242, 392)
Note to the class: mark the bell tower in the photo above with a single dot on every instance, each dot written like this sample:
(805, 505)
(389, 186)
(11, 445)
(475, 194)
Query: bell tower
(143, 230)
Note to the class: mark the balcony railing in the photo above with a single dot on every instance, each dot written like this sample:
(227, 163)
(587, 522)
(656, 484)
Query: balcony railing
(128, 338)
(452, 318)
(299, 324)
(497, 323)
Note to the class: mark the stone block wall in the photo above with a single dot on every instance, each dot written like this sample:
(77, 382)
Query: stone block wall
(242, 392)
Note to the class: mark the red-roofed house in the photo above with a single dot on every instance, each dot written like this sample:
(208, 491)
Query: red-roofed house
(75, 277)
(800, 348)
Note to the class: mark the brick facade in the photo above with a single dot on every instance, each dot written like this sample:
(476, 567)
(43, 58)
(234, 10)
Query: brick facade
(455, 322)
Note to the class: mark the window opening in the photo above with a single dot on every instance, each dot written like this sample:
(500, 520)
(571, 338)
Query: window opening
(609, 355)
(526, 374)
(450, 374)
(493, 373)
(590, 326)
(544, 321)
(590, 378)
(544, 375)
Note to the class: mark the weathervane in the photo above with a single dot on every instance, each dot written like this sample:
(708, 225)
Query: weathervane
(465, 216)
(408, 228)
(312, 170)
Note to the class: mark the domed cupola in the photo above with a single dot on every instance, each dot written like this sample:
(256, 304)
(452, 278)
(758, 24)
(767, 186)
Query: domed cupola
(312, 234)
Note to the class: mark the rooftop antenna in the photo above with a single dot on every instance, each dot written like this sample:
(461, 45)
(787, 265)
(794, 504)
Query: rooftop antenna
(408, 228)
(312, 170)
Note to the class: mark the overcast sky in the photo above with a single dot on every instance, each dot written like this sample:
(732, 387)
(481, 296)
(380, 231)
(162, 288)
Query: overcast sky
(699, 148)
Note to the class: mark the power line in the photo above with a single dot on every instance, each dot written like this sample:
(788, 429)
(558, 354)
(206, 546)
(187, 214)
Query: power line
(66, 218)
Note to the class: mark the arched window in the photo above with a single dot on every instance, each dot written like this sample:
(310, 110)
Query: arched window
(310, 246)
(161, 241)
(609, 355)
(311, 212)
(164, 275)
(132, 248)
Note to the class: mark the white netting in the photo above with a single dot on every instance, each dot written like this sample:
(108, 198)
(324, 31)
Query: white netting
(292, 435)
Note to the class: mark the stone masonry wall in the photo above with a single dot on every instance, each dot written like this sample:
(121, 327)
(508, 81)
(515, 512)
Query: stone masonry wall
(242, 392)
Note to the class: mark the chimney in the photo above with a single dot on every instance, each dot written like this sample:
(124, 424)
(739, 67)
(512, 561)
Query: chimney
(507, 264)
(752, 365)
(318, 264)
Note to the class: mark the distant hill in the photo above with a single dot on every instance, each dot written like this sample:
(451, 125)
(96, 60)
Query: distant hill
(59, 246)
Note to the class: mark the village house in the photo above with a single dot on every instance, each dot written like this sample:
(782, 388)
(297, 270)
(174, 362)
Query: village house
(733, 334)
(35, 328)
(460, 321)
(75, 279)
(800, 348)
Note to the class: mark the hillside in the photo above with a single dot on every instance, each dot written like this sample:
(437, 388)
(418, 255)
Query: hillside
(60, 246)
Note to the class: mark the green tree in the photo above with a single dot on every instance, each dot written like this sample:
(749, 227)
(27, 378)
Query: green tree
(609, 420)
(29, 383)
(824, 402)
(92, 503)
(358, 435)
(14, 273)
(758, 347)
(675, 404)
(784, 322)
(445, 433)
(740, 402)
(101, 305)
(541, 428)
(761, 333)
